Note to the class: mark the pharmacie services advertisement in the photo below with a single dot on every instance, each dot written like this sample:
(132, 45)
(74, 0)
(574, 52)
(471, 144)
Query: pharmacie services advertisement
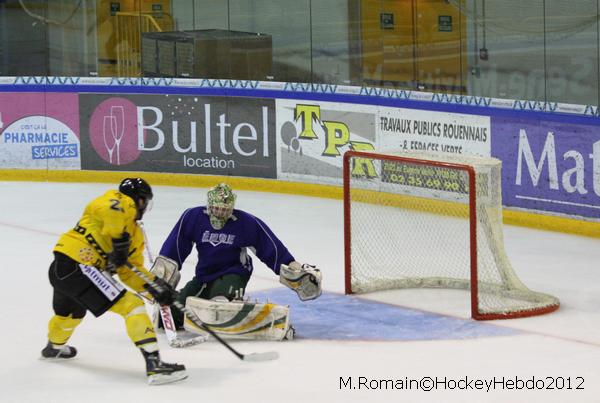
(39, 131)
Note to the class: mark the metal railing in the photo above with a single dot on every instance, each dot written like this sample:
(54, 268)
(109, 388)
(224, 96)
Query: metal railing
(129, 28)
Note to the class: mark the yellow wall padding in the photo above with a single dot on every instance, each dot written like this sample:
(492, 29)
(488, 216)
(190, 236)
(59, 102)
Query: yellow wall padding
(511, 217)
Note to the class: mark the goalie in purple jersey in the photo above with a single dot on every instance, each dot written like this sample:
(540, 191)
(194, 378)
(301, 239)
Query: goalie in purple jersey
(222, 237)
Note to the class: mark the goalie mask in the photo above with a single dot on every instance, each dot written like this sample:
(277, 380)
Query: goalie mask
(221, 201)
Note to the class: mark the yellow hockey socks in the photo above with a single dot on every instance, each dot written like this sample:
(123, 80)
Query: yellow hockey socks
(60, 328)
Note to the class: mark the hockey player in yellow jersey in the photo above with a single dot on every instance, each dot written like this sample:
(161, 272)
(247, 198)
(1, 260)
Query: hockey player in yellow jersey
(86, 257)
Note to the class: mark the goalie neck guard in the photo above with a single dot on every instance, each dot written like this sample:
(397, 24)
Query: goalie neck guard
(221, 201)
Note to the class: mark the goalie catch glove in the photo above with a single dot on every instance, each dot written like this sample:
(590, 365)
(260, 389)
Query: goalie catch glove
(162, 292)
(304, 279)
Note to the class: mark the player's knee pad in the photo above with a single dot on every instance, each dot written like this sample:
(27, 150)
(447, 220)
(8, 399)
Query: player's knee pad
(128, 305)
(138, 324)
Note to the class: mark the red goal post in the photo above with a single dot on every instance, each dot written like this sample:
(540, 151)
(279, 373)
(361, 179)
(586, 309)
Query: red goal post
(424, 220)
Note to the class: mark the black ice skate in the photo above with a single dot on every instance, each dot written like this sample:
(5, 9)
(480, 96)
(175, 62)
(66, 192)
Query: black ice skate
(54, 351)
(159, 372)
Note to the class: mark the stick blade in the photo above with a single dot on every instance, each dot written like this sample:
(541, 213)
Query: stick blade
(257, 357)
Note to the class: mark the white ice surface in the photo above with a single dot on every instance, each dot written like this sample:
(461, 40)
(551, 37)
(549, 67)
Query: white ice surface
(109, 369)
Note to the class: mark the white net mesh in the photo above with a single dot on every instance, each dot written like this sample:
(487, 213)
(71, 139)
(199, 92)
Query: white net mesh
(409, 226)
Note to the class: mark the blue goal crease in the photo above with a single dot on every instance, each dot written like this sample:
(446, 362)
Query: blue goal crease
(345, 317)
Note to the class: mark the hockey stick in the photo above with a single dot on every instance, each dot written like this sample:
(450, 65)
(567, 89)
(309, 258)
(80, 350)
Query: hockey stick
(267, 356)
(168, 323)
(165, 311)
(173, 338)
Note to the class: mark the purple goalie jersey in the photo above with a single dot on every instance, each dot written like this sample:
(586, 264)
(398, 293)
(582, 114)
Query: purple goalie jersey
(224, 251)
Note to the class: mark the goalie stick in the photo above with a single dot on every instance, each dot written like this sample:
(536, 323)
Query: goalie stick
(266, 356)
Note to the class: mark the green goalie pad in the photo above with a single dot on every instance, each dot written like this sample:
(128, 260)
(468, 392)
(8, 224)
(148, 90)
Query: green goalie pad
(241, 319)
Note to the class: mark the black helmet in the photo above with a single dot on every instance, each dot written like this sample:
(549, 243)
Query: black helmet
(139, 190)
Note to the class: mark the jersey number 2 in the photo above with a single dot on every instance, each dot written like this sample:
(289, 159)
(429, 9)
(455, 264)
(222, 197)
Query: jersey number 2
(116, 205)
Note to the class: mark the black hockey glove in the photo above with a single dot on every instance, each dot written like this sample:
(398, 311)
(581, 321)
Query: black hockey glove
(162, 292)
(118, 257)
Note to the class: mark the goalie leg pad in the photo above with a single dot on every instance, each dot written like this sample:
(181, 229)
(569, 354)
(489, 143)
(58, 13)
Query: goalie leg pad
(240, 319)
(167, 269)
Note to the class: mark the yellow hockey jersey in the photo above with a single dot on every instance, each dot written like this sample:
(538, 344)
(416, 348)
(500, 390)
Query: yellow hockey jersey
(103, 219)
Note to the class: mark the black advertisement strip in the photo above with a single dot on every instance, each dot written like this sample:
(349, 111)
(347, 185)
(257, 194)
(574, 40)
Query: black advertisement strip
(178, 134)
(424, 176)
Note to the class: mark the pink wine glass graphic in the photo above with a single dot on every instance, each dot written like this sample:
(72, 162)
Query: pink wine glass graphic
(119, 128)
(109, 125)
(113, 131)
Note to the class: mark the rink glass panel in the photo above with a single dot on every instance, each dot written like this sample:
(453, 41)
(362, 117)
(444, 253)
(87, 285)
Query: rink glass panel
(468, 47)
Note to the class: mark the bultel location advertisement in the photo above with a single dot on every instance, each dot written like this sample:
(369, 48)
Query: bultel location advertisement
(179, 134)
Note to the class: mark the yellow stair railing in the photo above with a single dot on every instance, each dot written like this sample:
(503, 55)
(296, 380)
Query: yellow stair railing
(129, 28)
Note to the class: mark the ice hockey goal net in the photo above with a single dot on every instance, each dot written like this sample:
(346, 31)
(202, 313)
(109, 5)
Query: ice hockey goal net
(431, 220)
